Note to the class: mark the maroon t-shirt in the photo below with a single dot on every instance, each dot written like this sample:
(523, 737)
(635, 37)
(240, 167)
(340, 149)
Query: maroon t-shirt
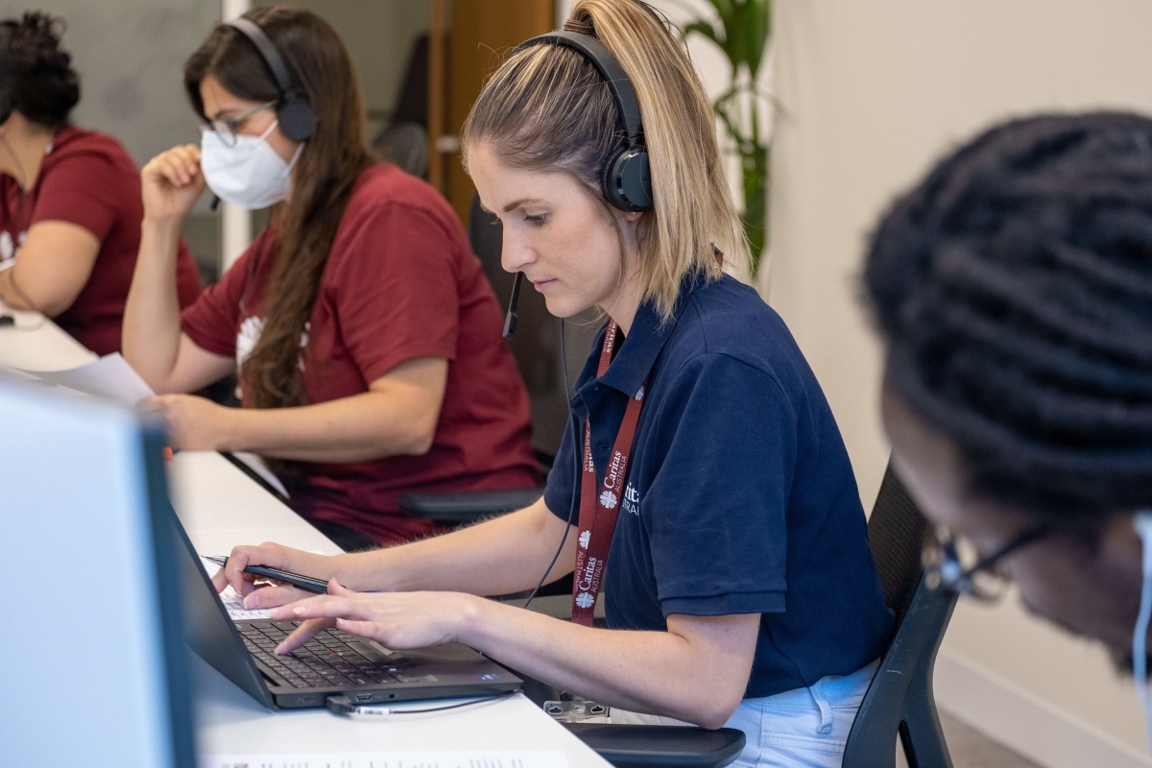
(88, 179)
(400, 282)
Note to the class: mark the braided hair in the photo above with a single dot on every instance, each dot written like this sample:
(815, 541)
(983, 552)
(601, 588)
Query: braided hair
(36, 75)
(1014, 286)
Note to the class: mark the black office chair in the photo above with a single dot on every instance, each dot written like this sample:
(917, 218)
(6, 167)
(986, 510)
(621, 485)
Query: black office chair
(404, 140)
(406, 145)
(536, 348)
(900, 701)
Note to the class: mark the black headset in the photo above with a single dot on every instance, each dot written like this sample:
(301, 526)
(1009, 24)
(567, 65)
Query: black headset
(296, 116)
(625, 179)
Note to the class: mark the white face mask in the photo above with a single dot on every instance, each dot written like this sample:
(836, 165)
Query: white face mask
(251, 174)
(1143, 522)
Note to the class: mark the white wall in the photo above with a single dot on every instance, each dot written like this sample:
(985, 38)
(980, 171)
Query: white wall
(873, 92)
(380, 35)
(130, 55)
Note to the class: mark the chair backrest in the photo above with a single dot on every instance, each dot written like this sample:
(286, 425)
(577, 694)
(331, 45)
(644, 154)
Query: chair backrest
(406, 145)
(896, 538)
(536, 346)
(412, 99)
(899, 700)
(404, 137)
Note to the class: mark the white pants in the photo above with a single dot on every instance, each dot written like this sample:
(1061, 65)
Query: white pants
(802, 728)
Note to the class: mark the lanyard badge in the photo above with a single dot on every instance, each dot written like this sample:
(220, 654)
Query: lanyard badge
(598, 510)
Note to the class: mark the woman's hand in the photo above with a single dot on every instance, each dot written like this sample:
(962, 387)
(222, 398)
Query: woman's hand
(272, 556)
(172, 183)
(398, 620)
(194, 423)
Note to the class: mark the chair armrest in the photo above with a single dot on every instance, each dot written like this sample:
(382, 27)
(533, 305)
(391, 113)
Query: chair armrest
(641, 746)
(457, 507)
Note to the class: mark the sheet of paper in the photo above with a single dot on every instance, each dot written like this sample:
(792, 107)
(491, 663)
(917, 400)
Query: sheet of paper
(408, 759)
(232, 601)
(109, 377)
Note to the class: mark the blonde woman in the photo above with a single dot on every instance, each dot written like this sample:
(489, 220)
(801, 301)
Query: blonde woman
(703, 467)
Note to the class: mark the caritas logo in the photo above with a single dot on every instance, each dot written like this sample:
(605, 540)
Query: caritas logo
(608, 499)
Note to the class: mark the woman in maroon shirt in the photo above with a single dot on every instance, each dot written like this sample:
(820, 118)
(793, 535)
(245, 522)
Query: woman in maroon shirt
(70, 205)
(365, 336)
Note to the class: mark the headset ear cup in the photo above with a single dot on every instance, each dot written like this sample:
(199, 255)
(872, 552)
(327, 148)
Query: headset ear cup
(607, 180)
(626, 180)
(297, 120)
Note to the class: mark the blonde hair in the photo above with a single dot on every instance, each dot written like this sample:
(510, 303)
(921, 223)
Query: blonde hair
(548, 109)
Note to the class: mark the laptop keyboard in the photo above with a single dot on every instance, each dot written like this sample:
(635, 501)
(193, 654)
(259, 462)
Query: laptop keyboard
(331, 658)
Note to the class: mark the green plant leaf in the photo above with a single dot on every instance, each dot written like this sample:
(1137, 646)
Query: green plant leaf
(705, 29)
(741, 32)
(724, 9)
(757, 24)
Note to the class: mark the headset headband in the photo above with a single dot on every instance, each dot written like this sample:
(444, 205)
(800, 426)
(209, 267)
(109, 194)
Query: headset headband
(626, 178)
(601, 58)
(285, 83)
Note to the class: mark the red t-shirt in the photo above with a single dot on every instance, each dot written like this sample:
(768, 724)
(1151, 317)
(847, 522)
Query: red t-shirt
(88, 179)
(400, 282)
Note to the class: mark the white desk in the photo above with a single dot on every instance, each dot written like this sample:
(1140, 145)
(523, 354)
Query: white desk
(37, 344)
(221, 507)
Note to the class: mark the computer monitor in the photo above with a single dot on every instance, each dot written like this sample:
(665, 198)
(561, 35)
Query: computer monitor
(92, 664)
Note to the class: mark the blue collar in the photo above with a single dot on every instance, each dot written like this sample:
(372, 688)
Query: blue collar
(644, 341)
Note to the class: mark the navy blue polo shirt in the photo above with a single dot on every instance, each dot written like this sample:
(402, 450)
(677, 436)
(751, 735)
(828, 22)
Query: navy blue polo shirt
(740, 497)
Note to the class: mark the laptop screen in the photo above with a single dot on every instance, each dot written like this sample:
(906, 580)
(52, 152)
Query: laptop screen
(91, 662)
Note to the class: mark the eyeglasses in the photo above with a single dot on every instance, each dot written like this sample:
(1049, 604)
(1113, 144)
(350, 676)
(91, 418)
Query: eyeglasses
(952, 563)
(226, 127)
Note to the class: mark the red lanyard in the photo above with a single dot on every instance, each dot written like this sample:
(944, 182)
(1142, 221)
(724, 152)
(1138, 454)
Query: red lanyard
(598, 511)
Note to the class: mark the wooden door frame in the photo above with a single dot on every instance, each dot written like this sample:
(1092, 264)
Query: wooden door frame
(467, 41)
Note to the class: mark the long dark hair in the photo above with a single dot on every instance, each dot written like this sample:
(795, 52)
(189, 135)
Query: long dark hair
(1014, 286)
(322, 179)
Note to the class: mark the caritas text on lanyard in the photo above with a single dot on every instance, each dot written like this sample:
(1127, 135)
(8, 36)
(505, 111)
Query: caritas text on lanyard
(598, 510)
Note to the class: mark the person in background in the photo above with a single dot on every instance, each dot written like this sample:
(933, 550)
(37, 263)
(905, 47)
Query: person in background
(70, 206)
(1013, 290)
(702, 478)
(365, 335)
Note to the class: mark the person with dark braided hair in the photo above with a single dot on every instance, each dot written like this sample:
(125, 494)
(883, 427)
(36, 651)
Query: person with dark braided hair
(70, 206)
(1013, 287)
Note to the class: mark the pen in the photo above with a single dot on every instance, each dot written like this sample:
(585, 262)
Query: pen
(306, 583)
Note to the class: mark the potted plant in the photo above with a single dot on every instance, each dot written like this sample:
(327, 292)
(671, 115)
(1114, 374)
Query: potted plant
(741, 30)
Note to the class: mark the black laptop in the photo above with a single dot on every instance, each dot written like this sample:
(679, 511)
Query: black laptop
(333, 663)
